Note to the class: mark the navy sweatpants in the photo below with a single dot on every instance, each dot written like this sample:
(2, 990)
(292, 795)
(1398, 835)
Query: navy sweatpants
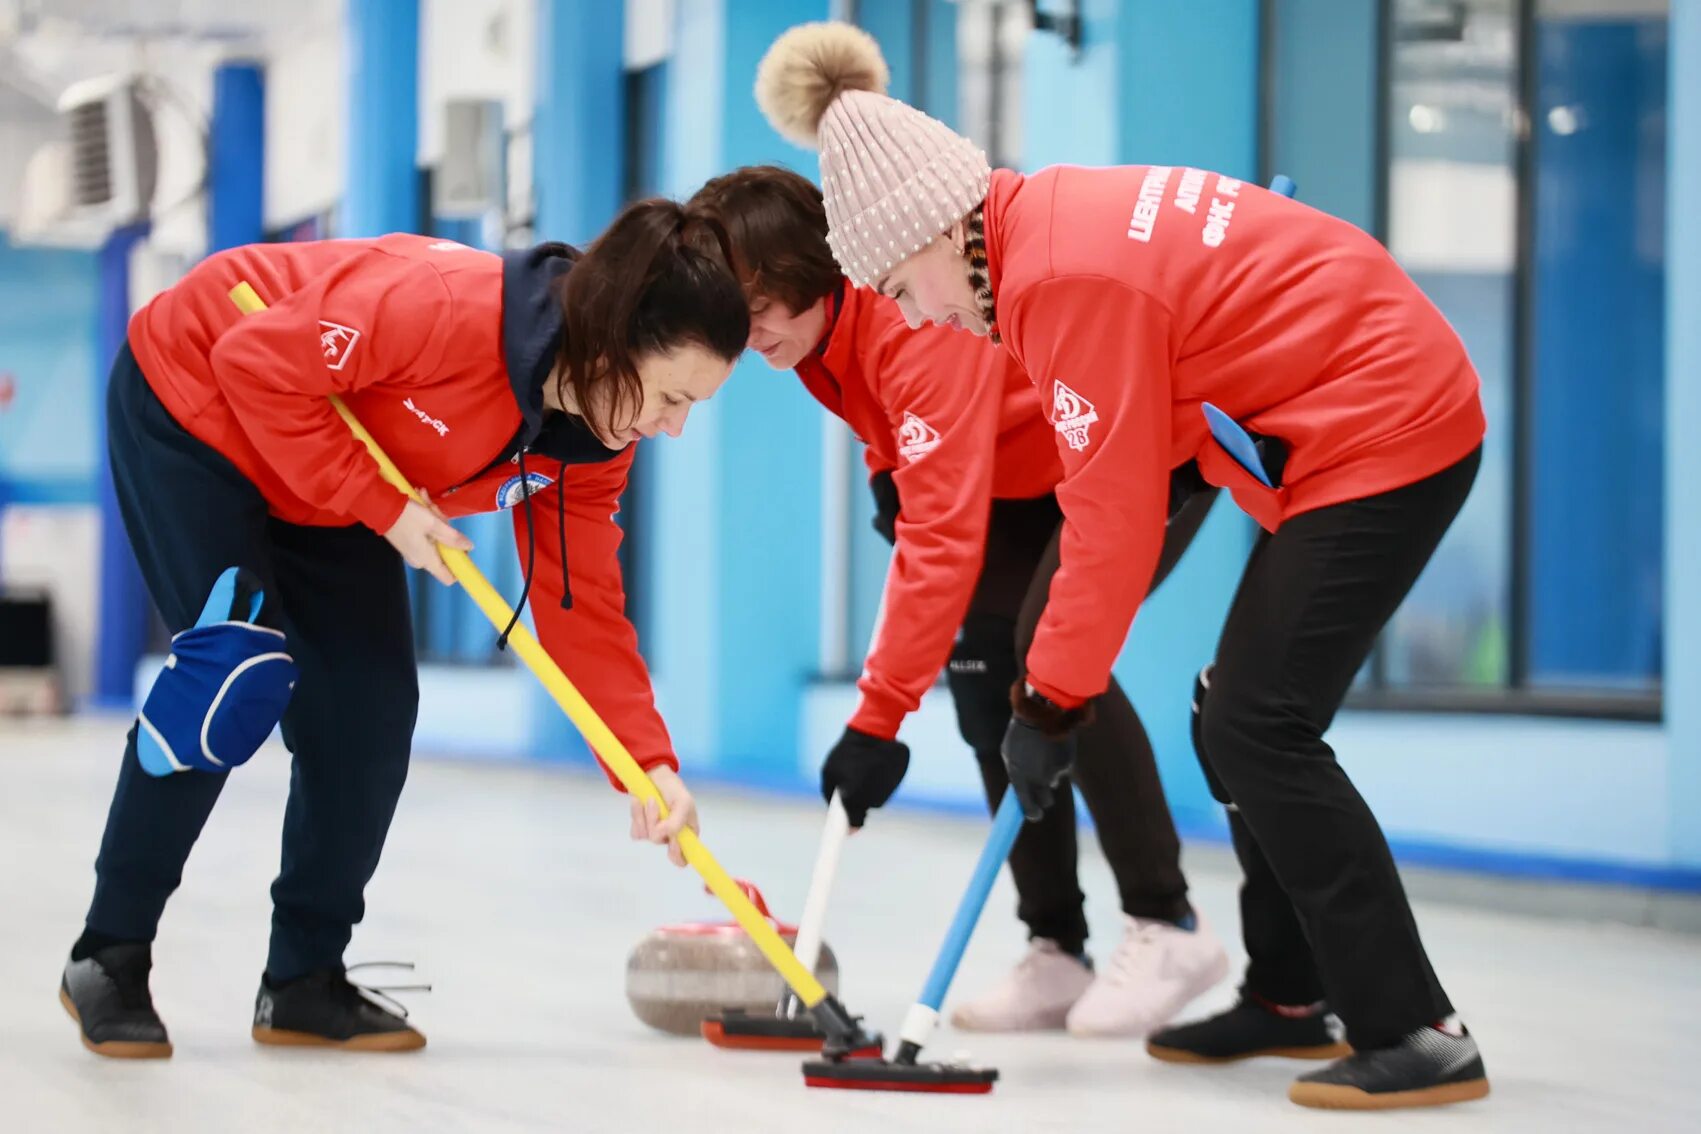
(340, 595)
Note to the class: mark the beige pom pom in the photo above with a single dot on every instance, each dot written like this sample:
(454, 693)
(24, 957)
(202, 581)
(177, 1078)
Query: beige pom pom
(810, 66)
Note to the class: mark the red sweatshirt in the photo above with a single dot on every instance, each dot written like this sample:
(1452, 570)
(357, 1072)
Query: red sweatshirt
(441, 351)
(917, 400)
(1133, 294)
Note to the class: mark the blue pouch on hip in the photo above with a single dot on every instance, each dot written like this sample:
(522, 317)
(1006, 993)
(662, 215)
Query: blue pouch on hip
(223, 689)
(1237, 442)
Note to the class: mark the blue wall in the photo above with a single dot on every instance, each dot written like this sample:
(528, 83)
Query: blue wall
(48, 452)
(733, 624)
(1164, 84)
(1322, 119)
(1683, 456)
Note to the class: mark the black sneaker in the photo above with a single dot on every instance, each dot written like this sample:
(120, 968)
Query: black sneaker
(1430, 1067)
(322, 1009)
(1250, 1029)
(107, 994)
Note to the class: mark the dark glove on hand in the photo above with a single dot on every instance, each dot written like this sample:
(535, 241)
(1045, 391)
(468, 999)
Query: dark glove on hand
(1039, 747)
(865, 770)
(886, 506)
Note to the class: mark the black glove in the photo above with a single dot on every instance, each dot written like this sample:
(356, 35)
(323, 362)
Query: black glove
(865, 771)
(885, 491)
(1039, 747)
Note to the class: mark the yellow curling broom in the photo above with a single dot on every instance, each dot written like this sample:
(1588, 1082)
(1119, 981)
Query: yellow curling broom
(844, 1033)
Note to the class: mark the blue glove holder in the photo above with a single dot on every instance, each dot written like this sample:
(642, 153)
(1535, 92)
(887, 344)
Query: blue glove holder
(223, 689)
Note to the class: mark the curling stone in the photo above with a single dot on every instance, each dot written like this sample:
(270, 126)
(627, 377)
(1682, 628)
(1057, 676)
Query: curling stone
(681, 973)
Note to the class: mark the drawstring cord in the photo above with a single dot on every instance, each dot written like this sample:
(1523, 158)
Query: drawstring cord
(531, 554)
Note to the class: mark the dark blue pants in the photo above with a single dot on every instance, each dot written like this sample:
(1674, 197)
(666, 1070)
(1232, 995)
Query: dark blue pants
(340, 594)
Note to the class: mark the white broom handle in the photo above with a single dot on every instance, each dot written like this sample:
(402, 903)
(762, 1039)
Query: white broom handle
(808, 947)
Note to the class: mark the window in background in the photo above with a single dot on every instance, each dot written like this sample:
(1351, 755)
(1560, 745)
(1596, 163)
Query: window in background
(1452, 221)
(1595, 418)
(1525, 188)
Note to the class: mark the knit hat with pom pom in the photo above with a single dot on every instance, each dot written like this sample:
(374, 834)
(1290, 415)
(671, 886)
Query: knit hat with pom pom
(893, 178)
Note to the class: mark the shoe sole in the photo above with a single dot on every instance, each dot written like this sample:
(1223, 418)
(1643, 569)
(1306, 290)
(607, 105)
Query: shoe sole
(114, 1049)
(1329, 1096)
(409, 1040)
(1182, 1055)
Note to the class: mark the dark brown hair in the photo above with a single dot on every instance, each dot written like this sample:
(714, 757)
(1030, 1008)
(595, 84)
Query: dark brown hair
(654, 281)
(779, 233)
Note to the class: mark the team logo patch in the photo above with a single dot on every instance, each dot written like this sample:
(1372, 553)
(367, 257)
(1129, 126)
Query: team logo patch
(916, 438)
(336, 343)
(1072, 415)
(511, 492)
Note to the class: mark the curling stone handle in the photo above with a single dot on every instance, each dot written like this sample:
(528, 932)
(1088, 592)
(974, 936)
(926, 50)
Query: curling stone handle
(754, 895)
(808, 947)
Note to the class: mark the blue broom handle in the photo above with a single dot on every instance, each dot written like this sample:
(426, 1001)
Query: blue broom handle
(1006, 825)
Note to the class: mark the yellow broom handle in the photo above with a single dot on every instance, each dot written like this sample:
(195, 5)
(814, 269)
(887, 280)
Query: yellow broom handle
(578, 710)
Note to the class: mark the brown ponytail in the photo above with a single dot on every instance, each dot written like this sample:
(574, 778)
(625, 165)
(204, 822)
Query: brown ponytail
(654, 281)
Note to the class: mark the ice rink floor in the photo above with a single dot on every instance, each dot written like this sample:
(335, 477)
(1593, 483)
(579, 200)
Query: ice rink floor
(516, 893)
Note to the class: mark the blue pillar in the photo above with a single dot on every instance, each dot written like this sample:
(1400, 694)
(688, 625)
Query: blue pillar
(1683, 457)
(1188, 81)
(578, 137)
(124, 604)
(940, 98)
(578, 177)
(1323, 118)
(382, 194)
(236, 151)
(892, 24)
(736, 626)
(1058, 88)
(1162, 83)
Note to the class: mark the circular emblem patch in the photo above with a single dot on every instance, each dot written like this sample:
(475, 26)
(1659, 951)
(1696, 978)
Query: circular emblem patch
(511, 492)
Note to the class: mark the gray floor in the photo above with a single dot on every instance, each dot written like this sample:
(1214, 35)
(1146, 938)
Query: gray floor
(517, 895)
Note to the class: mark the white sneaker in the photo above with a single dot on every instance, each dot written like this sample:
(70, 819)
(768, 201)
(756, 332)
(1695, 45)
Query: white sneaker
(1035, 997)
(1153, 974)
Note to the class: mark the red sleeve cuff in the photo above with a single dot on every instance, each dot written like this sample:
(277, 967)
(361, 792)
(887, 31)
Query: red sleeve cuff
(669, 760)
(877, 717)
(1055, 695)
(378, 506)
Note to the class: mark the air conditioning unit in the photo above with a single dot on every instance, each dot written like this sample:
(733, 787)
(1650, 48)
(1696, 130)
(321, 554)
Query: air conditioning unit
(77, 191)
(114, 155)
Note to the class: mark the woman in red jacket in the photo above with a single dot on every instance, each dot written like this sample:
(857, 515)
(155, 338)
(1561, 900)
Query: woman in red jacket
(491, 381)
(955, 434)
(1174, 315)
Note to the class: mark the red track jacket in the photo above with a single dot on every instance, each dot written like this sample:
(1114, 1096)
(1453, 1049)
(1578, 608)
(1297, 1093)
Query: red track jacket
(441, 351)
(958, 424)
(1130, 295)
